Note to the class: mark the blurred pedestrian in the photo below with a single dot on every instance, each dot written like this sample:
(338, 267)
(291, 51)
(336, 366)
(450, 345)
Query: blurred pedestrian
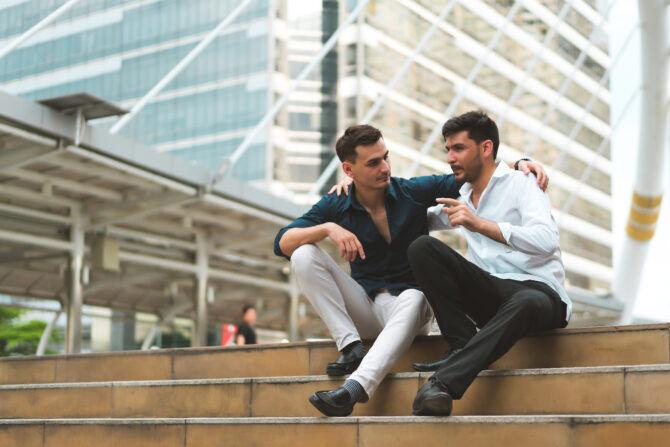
(246, 334)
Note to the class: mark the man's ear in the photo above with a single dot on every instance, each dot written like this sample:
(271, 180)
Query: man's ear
(487, 149)
(346, 167)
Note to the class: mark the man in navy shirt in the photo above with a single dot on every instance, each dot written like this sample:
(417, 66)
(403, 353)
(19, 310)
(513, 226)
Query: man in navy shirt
(372, 226)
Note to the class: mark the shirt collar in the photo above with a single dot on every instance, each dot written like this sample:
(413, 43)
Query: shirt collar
(352, 201)
(502, 170)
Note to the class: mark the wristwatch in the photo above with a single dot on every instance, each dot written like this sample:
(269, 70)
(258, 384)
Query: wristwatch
(516, 163)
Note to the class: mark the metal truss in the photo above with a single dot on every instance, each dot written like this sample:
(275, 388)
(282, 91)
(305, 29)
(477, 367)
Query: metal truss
(390, 86)
(567, 82)
(591, 102)
(455, 102)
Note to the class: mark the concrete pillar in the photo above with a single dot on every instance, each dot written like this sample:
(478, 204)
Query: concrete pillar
(201, 279)
(75, 294)
(293, 317)
(122, 330)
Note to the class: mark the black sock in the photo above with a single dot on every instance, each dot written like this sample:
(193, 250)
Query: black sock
(356, 391)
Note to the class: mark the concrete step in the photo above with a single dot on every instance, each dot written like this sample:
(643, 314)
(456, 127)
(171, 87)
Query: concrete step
(473, 431)
(592, 390)
(600, 346)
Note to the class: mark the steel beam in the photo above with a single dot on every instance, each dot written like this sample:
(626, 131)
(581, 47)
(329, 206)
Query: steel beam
(119, 212)
(46, 335)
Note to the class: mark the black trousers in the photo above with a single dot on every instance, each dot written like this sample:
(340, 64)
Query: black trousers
(464, 297)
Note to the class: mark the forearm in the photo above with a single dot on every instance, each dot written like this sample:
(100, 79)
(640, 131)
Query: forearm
(491, 230)
(295, 237)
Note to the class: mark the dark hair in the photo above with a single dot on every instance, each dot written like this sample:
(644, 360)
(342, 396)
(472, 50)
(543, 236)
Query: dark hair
(247, 307)
(479, 126)
(358, 135)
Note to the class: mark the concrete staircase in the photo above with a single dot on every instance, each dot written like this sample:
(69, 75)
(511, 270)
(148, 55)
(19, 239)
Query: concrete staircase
(573, 387)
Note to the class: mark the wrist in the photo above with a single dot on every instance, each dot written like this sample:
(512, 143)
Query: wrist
(516, 163)
(480, 225)
(328, 228)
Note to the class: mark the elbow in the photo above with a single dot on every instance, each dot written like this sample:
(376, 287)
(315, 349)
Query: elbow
(549, 245)
(285, 248)
(281, 247)
(544, 243)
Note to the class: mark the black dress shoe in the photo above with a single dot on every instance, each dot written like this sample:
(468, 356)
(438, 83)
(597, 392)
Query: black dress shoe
(333, 403)
(347, 362)
(432, 400)
(435, 364)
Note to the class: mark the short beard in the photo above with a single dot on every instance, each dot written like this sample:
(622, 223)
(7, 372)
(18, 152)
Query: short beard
(474, 171)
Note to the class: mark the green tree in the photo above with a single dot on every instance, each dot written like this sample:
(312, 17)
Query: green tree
(19, 338)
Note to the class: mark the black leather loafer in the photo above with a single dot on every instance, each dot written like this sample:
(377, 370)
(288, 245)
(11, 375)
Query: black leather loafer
(432, 400)
(435, 364)
(347, 362)
(333, 403)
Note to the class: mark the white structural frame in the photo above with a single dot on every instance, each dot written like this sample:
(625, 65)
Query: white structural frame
(455, 102)
(589, 105)
(524, 39)
(531, 65)
(46, 335)
(508, 69)
(601, 148)
(653, 148)
(569, 79)
(388, 88)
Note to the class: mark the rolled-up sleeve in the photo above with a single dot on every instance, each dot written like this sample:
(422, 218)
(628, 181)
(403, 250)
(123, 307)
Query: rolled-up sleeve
(538, 233)
(427, 188)
(437, 220)
(320, 212)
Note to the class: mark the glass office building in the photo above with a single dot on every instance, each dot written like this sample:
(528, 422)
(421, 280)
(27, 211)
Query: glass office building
(119, 49)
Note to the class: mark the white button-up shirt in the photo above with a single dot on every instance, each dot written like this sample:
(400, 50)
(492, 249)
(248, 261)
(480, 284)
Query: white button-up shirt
(523, 214)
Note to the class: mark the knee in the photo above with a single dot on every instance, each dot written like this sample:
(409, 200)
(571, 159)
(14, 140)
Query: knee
(303, 257)
(417, 249)
(529, 303)
(415, 303)
(413, 299)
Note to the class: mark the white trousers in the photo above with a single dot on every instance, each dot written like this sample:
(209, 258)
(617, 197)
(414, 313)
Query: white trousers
(351, 315)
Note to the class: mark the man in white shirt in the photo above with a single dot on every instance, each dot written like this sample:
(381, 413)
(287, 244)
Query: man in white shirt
(511, 283)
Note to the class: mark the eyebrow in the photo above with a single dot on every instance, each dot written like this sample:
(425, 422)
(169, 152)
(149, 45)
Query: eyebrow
(378, 158)
(454, 146)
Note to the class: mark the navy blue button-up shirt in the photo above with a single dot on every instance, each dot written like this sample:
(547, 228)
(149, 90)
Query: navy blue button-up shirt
(385, 265)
